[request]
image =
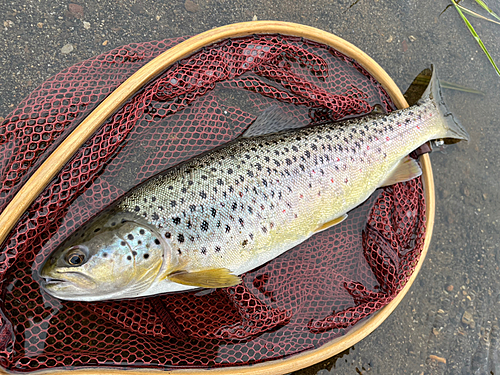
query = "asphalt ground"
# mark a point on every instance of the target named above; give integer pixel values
(448, 322)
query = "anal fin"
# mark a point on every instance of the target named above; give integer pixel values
(331, 223)
(212, 278)
(406, 170)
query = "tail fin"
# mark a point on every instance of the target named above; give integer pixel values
(455, 132)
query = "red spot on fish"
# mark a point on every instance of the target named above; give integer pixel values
(284, 211)
(331, 180)
(241, 194)
(346, 180)
(418, 127)
(367, 147)
(387, 138)
(301, 196)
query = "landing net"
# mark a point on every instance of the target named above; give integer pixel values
(305, 298)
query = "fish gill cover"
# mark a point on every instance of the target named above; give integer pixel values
(299, 301)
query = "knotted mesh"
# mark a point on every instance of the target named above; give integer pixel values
(299, 301)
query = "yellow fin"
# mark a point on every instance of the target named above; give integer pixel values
(331, 223)
(213, 278)
(406, 170)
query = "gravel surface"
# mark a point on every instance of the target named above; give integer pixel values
(448, 322)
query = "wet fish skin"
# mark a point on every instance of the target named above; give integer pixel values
(243, 204)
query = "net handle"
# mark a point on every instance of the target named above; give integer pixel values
(54, 163)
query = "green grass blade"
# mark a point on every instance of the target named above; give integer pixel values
(468, 11)
(478, 40)
(480, 2)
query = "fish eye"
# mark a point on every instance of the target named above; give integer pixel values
(75, 257)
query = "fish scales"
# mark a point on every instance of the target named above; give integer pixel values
(238, 206)
(227, 208)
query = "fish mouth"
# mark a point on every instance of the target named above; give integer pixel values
(73, 280)
(46, 281)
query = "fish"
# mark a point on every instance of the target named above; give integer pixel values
(207, 221)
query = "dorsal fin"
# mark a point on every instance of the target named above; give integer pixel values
(272, 120)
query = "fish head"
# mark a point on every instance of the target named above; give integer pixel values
(104, 261)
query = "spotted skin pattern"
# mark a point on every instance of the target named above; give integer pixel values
(239, 206)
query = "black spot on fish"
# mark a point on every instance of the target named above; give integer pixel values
(134, 253)
(241, 221)
(113, 224)
(139, 242)
(129, 258)
(228, 228)
(97, 230)
(192, 208)
(142, 231)
(214, 212)
(307, 154)
(230, 170)
(264, 229)
(203, 195)
(137, 208)
(168, 235)
(258, 166)
(244, 243)
(170, 187)
(251, 236)
(155, 216)
(204, 226)
(179, 251)
(176, 220)
(250, 210)
(153, 199)
(157, 241)
(173, 203)
(203, 250)
(190, 182)
(146, 256)
(203, 177)
(234, 206)
(180, 238)
(217, 248)
(104, 255)
(123, 243)
(130, 236)
(189, 224)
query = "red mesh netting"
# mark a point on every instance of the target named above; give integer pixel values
(299, 301)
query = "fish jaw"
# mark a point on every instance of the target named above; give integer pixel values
(69, 283)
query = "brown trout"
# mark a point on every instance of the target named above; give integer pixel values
(234, 208)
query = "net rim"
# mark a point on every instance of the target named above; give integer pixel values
(92, 122)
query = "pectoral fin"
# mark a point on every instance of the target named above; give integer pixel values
(406, 170)
(213, 278)
(331, 223)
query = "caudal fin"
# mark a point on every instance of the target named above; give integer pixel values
(418, 93)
